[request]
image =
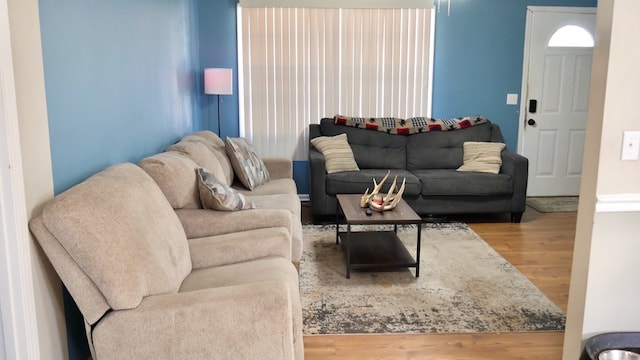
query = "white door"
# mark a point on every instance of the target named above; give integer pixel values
(557, 71)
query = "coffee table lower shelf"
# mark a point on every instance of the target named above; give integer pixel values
(375, 250)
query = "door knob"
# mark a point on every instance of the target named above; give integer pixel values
(531, 122)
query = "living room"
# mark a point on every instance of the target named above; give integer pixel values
(104, 107)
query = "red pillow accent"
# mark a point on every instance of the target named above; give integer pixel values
(465, 124)
(403, 131)
(371, 127)
(435, 127)
(340, 120)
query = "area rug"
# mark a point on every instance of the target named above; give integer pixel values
(464, 286)
(551, 204)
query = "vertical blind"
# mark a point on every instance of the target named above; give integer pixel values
(298, 65)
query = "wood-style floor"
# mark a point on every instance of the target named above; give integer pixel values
(541, 247)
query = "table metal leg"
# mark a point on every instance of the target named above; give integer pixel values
(418, 250)
(337, 222)
(348, 246)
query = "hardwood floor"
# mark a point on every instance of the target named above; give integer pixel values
(541, 247)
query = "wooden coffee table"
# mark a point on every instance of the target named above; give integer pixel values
(375, 250)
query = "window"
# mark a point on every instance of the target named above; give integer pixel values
(571, 36)
(297, 65)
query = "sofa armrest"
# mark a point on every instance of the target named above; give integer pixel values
(240, 247)
(199, 223)
(250, 321)
(279, 168)
(517, 166)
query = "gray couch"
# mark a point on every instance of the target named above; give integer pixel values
(428, 161)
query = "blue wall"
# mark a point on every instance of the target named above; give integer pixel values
(478, 59)
(119, 79)
(219, 48)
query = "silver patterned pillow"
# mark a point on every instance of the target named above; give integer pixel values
(216, 195)
(247, 166)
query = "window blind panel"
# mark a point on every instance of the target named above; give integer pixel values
(299, 65)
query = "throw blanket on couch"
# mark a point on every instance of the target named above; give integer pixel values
(411, 125)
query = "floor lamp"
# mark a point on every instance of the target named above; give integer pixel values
(218, 82)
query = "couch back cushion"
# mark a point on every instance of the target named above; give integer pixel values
(121, 231)
(371, 149)
(215, 162)
(176, 175)
(208, 137)
(444, 149)
(217, 147)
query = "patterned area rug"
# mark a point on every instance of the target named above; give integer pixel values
(551, 204)
(464, 286)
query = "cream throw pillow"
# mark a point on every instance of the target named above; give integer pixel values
(337, 153)
(482, 157)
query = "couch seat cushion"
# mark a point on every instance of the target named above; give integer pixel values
(451, 182)
(356, 182)
(273, 187)
(250, 272)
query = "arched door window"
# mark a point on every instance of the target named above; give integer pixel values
(571, 36)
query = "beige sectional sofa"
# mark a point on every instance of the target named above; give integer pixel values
(277, 200)
(155, 276)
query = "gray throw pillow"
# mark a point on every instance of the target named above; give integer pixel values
(247, 166)
(216, 195)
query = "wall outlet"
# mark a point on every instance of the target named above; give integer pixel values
(512, 99)
(630, 145)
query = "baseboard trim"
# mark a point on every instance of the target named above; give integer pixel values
(304, 197)
(618, 203)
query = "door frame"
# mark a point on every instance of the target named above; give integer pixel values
(17, 302)
(524, 93)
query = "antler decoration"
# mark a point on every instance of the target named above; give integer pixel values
(383, 203)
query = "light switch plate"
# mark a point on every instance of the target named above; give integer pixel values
(512, 99)
(630, 145)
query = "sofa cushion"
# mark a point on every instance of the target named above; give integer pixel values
(217, 147)
(450, 182)
(175, 174)
(217, 196)
(482, 157)
(247, 166)
(145, 254)
(443, 149)
(203, 156)
(371, 149)
(337, 153)
(358, 182)
(273, 187)
(206, 136)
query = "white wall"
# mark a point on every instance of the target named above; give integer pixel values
(604, 292)
(36, 164)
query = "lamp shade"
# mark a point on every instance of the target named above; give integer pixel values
(218, 81)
